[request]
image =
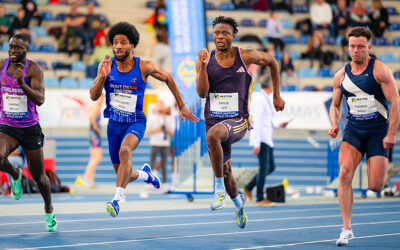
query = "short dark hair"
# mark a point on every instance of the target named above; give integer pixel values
(360, 31)
(124, 28)
(226, 20)
(23, 37)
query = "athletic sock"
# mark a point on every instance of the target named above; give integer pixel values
(118, 193)
(143, 175)
(238, 202)
(219, 184)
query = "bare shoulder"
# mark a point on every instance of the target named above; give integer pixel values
(381, 71)
(35, 69)
(146, 66)
(339, 75)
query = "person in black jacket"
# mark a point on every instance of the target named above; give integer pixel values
(379, 18)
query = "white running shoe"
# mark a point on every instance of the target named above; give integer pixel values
(344, 238)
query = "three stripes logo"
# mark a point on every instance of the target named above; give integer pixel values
(240, 70)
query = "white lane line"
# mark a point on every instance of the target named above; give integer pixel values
(317, 241)
(208, 235)
(194, 224)
(195, 215)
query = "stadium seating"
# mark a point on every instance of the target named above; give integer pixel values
(289, 88)
(47, 15)
(226, 6)
(380, 41)
(327, 88)
(289, 39)
(69, 82)
(310, 88)
(78, 66)
(42, 64)
(247, 23)
(306, 72)
(151, 4)
(387, 58)
(325, 72)
(396, 41)
(210, 6)
(86, 82)
(51, 82)
(397, 74)
(262, 23)
(294, 54)
(47, 48)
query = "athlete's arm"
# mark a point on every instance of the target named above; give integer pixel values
(151, 69)
(35, 75)
(266, 60)
(103, 71)
(334, 111)
(384, 77)
(203, 85)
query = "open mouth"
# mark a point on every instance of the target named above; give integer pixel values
(119, 54)
(220, 44)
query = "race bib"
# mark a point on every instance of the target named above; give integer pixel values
(124, 102)
(15, 106)
(224, 105)
(362, 108)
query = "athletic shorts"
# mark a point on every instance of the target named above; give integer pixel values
(366, 141)
(94, 139)
(116, 133)
(30, 138)
(236, 128)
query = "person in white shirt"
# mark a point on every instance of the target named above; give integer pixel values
(274, 31)
(322, 16)
(262, 111)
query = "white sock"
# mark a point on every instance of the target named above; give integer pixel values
(143, 175)
(118, 193)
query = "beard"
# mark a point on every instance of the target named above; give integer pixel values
(124, 57)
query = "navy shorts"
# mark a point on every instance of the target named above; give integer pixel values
(116, 133)
(366, 141)
(237, 128)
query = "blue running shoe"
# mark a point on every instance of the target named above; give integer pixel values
(153, 179)
(241, 217)
(218, 201)
(112, 208)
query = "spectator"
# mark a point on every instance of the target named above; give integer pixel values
(98, 55)
(160, 13)
(314, 48)
(321, 16)
(92, 24)
(75, 28)
(101, 33)
(379, 18)
(31, 11)
(274, 31)
(5, 23)
(345, 46)
(162, 54)
(160, 129)
(20, 23)
(287, 70)
(341, 17)
(358, 14)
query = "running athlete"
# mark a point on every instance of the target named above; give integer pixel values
(222, 79)
(22, 89)
(368, 86)
(96, 152)
(124, 79)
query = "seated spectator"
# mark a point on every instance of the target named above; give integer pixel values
(75, 27)
(321, 16)
(341, 17)
(314, 48)
(99, 53)
(20, 23)
(5, 23)
(281, 5)
(358, 14)
(92, 24)
(274, 31)
(345, 46)
(379, 18)
(31, 11)
(100, 33)
(287, 70)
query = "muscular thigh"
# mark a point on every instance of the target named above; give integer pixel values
(349, 157)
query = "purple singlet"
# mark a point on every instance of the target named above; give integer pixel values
(16, 109)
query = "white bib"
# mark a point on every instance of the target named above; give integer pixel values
(124, 102)
(362, 107)
(14, 104)
(224, 105)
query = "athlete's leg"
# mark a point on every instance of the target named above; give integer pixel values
(215, 135)
(229, 180)
(96, 154)
(125, 172)
(377, 172)
(35, 161)
(7, 145)
(349, 158)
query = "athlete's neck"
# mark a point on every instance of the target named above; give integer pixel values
(359, 67)
(19, 63)
(126, 65)
(224, 53)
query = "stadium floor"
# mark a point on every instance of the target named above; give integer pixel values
(171, 222)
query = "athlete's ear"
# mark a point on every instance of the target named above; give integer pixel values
(369, 46)
(132, 46)
(233, 35)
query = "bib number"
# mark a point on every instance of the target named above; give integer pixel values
(224, 105)
(123, 102)
(15, 106)
(362, 108)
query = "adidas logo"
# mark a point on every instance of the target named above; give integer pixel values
(240, 70)
(366, 74)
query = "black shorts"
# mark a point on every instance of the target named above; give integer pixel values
(237, 128)
(29, 138)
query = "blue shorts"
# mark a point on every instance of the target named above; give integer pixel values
(366, 141)
(116, 133)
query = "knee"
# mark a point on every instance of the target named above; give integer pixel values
(124, 153)
(345, 175)
(227, 171)
(212, 139)
(39, 177)
(376, 186)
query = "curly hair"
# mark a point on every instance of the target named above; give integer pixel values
(124, 28)
(227, 20)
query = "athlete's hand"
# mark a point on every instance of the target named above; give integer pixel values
(279, 103)
(204, 55)
(333, 131)
(256, 150)
(185, 112)
(389, 141)
(104, 67)
(19, 75)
